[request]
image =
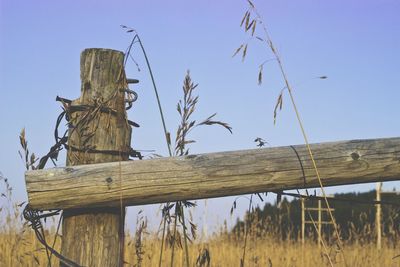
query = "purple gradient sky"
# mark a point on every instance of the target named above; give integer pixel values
(355, 43)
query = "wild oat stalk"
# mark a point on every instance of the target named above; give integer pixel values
(249, 22)
(185, 108)
(141, 224)
(29, 159)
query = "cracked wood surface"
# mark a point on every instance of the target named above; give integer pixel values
(94, 237)
(214, 175)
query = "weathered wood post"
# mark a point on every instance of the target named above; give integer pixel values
(99, 132)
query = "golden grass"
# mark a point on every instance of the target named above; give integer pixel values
(269, 253)
(22, 249)
(19, 246)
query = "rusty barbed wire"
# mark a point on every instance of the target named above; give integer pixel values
(34, 216)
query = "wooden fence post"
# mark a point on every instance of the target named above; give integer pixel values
(98, 132)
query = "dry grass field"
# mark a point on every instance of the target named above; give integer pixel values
(268, 252)
(19, 247)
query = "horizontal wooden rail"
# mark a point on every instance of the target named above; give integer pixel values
(213, 175)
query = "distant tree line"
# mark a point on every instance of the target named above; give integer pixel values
(356, 221)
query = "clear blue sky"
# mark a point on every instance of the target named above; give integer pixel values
(354, 43)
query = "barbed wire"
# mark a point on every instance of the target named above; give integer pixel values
(34, 216)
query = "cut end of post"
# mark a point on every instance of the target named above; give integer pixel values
(100, 50)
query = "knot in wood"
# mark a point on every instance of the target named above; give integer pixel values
(69, 169)
(355, 156)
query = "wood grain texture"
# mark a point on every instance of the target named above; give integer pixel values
(94, 237)
(214, 175)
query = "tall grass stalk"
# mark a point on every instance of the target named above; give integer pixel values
(250, 24)
(186, 108)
